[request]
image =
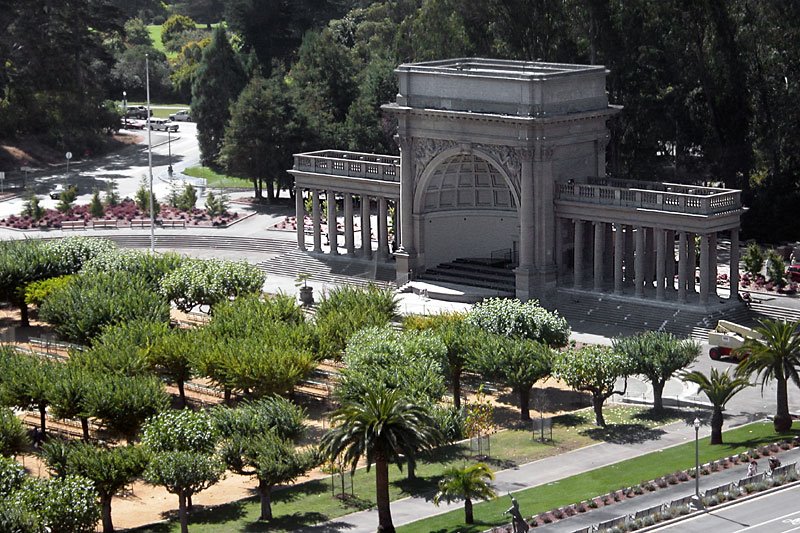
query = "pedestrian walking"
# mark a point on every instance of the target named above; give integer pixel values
(752, 468)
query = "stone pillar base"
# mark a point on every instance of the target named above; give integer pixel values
(405, 266)
(532, 284)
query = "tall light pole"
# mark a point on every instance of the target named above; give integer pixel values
(125, 108)
(150, 157)
(697, 459)
(169, 148)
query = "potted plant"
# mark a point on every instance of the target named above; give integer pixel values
(306, 292)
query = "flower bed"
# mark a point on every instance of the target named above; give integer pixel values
(123, 213)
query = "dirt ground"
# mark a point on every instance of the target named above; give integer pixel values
(143, 504)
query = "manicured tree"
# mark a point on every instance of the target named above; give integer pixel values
(719, 387)
(171, 355)
(528, 320)
(275, 414)
(775, 356)
(28, 383)
(91, 302)
(13, 438)
(22, 262)
(123, 403)
(408, 362)
(468, 483)
(657, 355)
(32, 208)
(68, 395)
(37, 291)
(348, 309)
(460, 339)
(183, 459)
(198, 282)
(378, 427)
(776, 269)
(594, 369)
(271, 459)
(96, 207)
(217, 83)
(517, 363)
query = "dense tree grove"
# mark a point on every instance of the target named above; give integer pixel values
(707, 87)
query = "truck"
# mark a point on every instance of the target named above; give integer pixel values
(727, 337)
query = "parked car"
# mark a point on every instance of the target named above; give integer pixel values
(138, 111)
(181, 116)
(55, 194)
(162, 124)
(793, 272)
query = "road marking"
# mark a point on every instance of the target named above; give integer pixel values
(784, 517)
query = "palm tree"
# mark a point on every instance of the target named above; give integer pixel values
(720, 387)
(381, 426)
(776, 355)
(468, 483)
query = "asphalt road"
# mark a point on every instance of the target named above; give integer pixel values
(772, 513)
(125, 168)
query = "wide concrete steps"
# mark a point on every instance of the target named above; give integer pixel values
(473, 273)
(762, 311)
(323, 269)
(615, 317)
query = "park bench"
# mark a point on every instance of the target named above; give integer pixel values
(73, 224)
(140, 223)
(173, 223)
(104, 224)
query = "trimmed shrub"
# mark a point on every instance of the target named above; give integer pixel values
(37, 291)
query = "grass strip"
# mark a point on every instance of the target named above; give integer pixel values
(214, 179)
(601, 480)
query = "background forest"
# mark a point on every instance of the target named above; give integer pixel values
(709, 88)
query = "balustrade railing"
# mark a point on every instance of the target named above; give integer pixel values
(674, 198)
(350, 164)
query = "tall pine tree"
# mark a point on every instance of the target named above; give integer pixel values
(219, 80)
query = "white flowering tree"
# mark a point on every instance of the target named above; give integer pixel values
(140, 263)
(594, 369)
(199, 282)
(528, 320)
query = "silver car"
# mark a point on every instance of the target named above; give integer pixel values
(162, 124)
(181, 116)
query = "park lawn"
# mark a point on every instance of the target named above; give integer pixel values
(214, 179)
(600, 481)
(155, 35)
(312, 502)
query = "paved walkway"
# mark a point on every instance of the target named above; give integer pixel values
(546, 471)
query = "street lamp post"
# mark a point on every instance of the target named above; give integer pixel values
(697, 459)
(125, 108)
(169, 148)
(150, 158)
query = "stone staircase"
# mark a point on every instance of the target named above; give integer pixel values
(324, 269)
(616, 317)
(473, 272)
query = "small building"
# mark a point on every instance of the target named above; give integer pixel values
(503, 162)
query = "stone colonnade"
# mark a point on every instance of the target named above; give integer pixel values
(365, 250)
(645, 259)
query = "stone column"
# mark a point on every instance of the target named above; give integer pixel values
(691, 263)
(526, 220)
(383, 229)
(640, 263)
(599, 259)
(734, 274)
(300, 217)
(705, 267)
(349, 231)
(649, 257)
(406, 197)
(619, 250)
(366, 228)
(577, 271)
(559, 244)
(660, 263)
(683, 266)
(712, 267)
(670, 250)
(316, 220)
(629, 256)
(608, 256)
(333, 230)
